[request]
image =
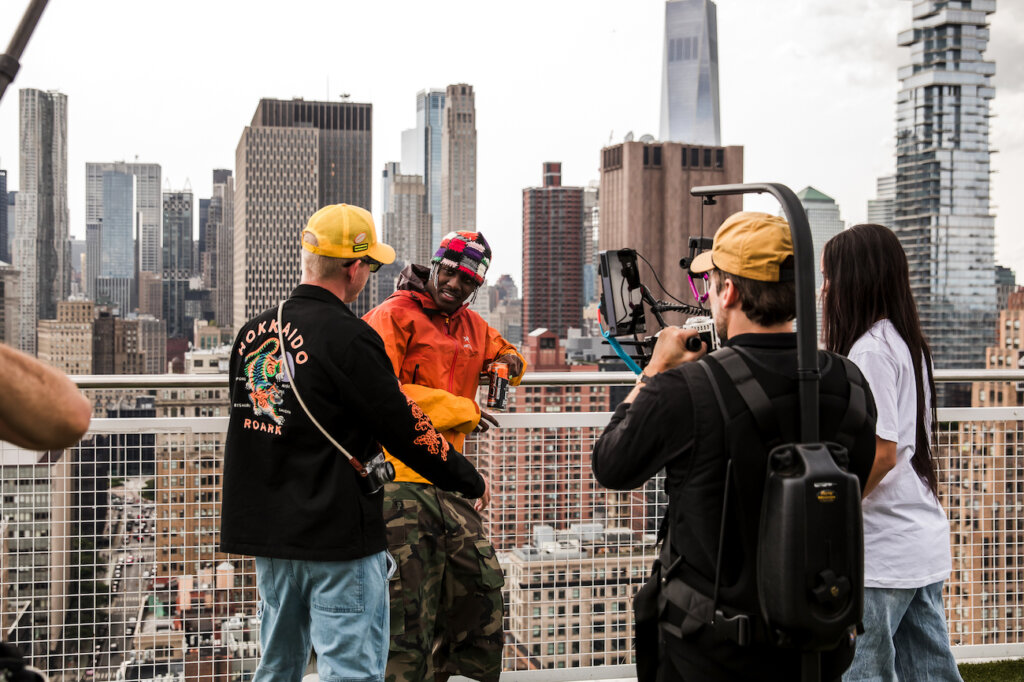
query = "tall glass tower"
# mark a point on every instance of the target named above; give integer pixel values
(942, 214)
(689, 76)
(421, 153)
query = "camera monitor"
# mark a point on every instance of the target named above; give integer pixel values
(622, 308)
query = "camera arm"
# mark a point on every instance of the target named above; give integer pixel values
(9, 64)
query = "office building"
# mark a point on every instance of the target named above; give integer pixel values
(982, 487)
(689, 76)
(115, 282)
(115, 344)
(10, 304)
(645, 204)
(591, 230)
(942, 211)
(42, 251)
(458, 160)
(406, 224)
(178, 266)
(1006, 284)
(66, 342)
(421, 153)
(148, 209)
(10, 200)
(823, 217)
(151, 336)
(293, 158)
(216, 256)
(881, 209)
(570, 596)
(5, 225)
(553, 244)
(151, 294)
(35, 548)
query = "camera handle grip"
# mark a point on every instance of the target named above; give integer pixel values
(694, 344)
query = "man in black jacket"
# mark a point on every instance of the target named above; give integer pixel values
(291, 499)
(672, 420)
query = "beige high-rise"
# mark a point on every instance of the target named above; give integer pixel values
(66, 342)
(458, 160)
(645, 204)
(292, 159)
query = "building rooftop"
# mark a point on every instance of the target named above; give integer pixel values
(811, 194)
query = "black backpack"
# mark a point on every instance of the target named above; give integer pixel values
(810, 544)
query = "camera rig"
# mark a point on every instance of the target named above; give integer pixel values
(624, 300)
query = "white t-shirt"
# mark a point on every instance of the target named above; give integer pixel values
(906, 533)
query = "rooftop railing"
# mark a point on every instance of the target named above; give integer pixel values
(110, 568)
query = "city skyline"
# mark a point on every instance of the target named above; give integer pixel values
(849, 52)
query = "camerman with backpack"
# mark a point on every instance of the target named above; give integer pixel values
(710, 422)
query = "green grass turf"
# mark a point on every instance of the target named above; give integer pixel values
(998, 671)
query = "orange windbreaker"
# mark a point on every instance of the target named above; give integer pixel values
(437, 358)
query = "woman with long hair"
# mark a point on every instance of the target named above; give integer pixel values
(869, 315)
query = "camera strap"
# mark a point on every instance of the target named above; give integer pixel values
(356, 464)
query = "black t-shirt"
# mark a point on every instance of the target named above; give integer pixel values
(287, 491)
(675, 423)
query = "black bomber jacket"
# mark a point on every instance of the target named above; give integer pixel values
(289, 493)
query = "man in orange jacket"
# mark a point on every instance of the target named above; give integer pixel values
(446, 605)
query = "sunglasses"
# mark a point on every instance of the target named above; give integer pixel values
(375, 265)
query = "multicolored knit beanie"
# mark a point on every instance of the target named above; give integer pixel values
(466, 251)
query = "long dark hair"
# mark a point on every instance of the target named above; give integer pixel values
(866, 280)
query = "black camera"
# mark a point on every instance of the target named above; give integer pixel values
(376, 472)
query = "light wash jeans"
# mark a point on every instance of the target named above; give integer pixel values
(905, 638)
(340, 607)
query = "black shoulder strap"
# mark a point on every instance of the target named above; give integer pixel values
(856, 408)
(725, 491)
(753, 395)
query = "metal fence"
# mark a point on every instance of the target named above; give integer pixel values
(110, 569)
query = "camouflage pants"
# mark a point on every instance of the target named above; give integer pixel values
(446, 604)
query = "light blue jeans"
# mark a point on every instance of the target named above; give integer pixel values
(340, 607)
(905, 637)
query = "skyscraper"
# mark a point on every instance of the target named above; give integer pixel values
(689, 76)
(66, 342)
(823, 217)
(406, 224)
(591, 227)
(42, 249)
(458, 160)
(9, 202)
(645, 204)
(177, 261)
(552, 255)
(880, 209)
(221, 229)
(942, 213)
(148, 206)
(10, 302)
(293, 158)
(5, 255)
(115, 283)
(421, 153)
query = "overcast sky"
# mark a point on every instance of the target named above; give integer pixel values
(807, 86)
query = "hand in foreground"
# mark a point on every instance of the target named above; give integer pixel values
(514, 364)
(670, 350)
(485, 499)
(482, 426)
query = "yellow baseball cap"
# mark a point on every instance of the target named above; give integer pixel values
(751, 245)
(344, 231)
